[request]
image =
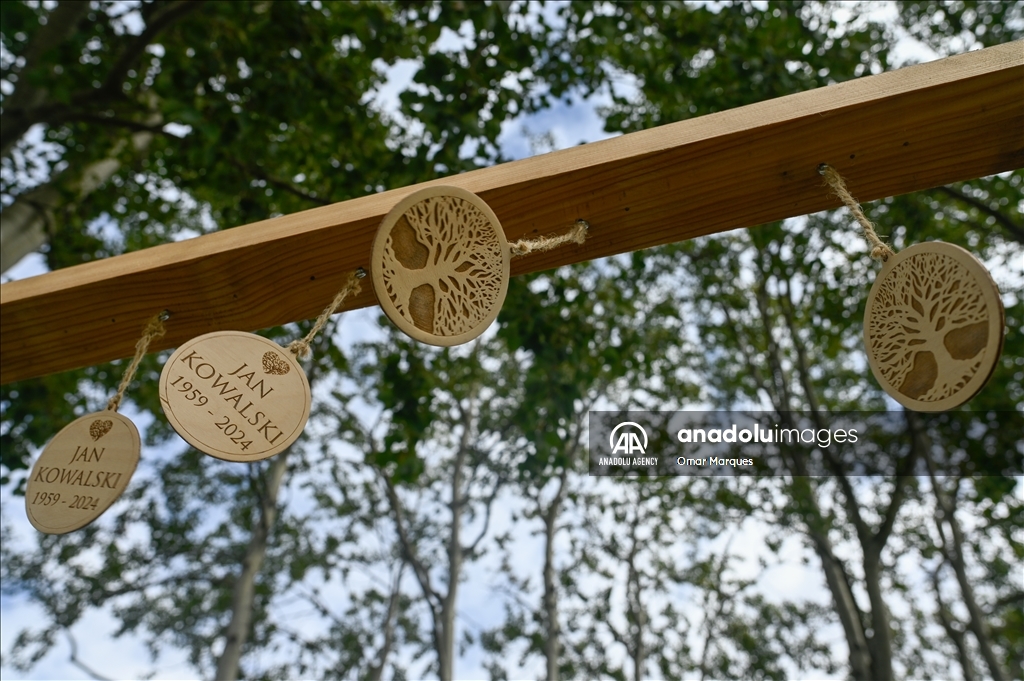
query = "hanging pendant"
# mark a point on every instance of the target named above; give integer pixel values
(81, 472)
(440, 265)
(933, 326)
(235, 396)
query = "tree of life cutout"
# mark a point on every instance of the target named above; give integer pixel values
(933, 327)
(441, 266)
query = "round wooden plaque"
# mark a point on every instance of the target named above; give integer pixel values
(234, 395)
(81, 472)
(440, 265)
(933, 326)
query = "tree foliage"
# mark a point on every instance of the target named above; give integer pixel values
(437, 510)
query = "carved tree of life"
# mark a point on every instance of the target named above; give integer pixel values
(441, 266)
(928, 327)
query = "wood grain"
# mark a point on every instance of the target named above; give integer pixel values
(906, 130)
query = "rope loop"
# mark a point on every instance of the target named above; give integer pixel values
(154, 329)
(879, 250)
(301, 347)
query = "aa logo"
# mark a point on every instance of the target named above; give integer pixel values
(628, 440)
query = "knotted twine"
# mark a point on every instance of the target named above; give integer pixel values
(578, 234)
(879, 250)
(300, 347)
(154, 329)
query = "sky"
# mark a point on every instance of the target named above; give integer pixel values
(567, 124)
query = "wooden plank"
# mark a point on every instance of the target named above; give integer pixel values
(906, 130)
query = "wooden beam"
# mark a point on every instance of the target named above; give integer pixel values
(911, 129)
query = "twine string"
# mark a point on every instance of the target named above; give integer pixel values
(578, 234)
(879, 250)
(153, 330)
(300, 347)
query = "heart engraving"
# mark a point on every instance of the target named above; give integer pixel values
(98, 429)
(273, 364)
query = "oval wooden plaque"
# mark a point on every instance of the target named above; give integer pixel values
(235, 396)
(440, 265)
(933, 326)
(81, 472)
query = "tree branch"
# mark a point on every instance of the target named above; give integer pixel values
(381, 657)
(419, 569)
(778, 373)
(803, 365)
(1015, 230)
(709, 621)
(61, 24)
(20, 113)
(899, 493)
(752, 367)
(279, 183)
(871, 543)
(949, 622)
(112, 84)
(28, 223)
(1017, 597)
(116, 122)
(954, 555)
(471, 549)
(78, 663)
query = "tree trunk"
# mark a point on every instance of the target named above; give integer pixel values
(879, 644)
(956, 635)
(977, 622)
(846, 607)
(28, 223)
(23, 228)
(803, 495)
(552, 631)
(446, 647)
(880, 641)
(237, 631)
(420, 569)
(381, 658)
(635, 608)
(954, 555)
